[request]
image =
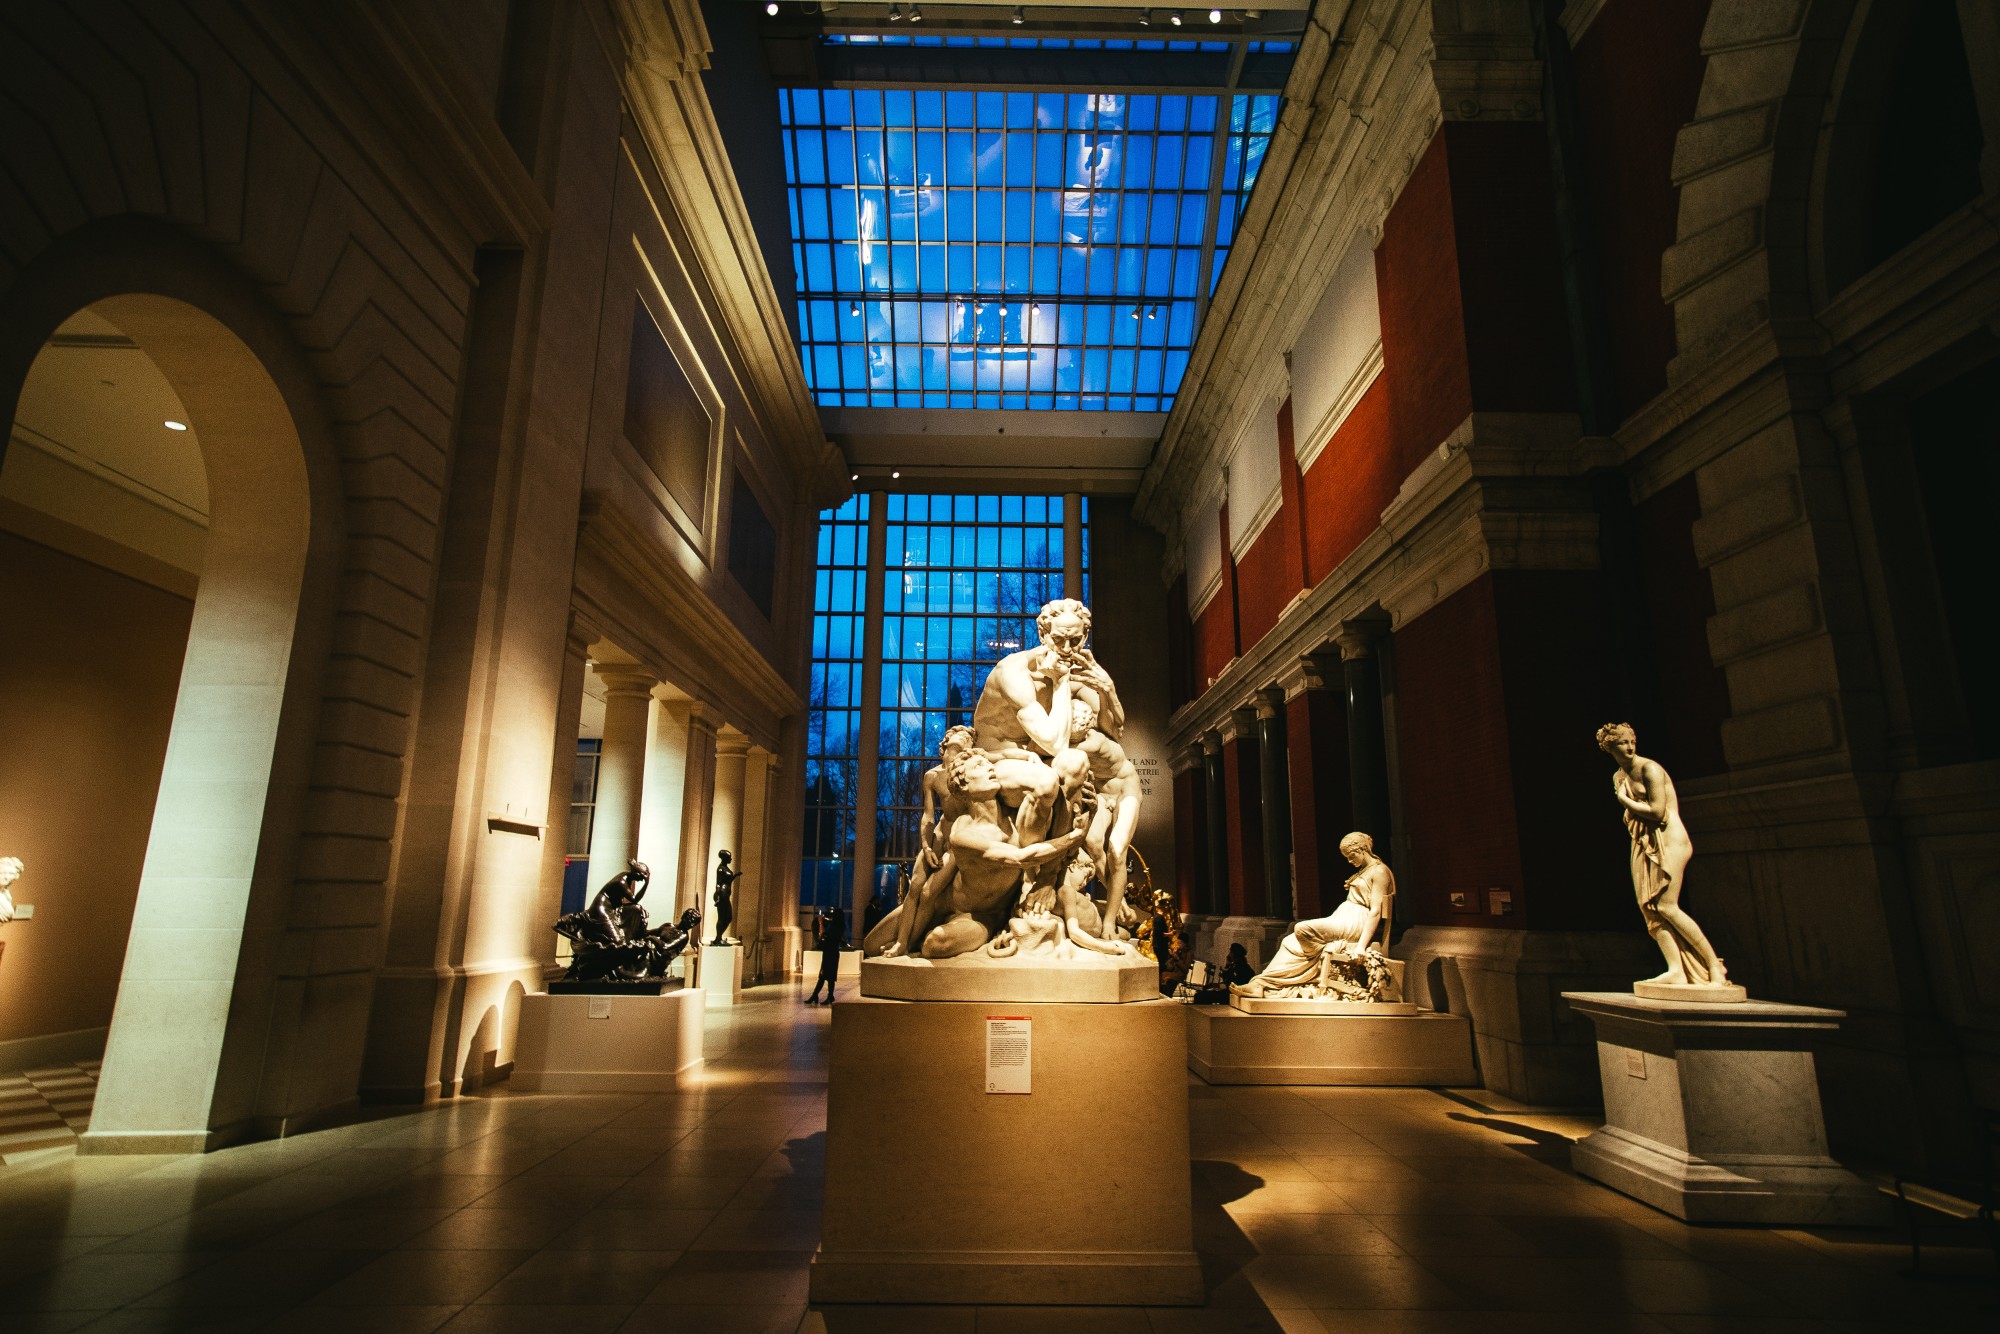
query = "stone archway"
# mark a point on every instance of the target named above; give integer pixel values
(187, 1055)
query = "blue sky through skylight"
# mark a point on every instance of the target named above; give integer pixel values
(1011, 249)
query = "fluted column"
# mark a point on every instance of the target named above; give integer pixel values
(1275, 811)
(621, 768)
(1367, 758)
(1215, 889)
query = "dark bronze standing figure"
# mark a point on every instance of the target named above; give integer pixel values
(725, 908)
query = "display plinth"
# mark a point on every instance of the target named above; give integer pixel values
(937, 1191)
(638, 1044)
(1692, 993)
(721, 972)
(1228, 1046)
(1293, 1005)
(850, 963)
(1712, 1112)
(1095, 980)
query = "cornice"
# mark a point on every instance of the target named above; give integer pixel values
(1359, 108)
(663, 46)
(1499, 493)
(660, 613)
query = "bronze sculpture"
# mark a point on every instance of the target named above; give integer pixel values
(725, 908)
(613, 946)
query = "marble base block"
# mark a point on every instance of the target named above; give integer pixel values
(1229, 1046)
(1712, 1112)
(940, 1192)
(1699, 993)
(850, 964)
(721, 973)
(1298, 1005)
(1093, 980)
(641, 1044)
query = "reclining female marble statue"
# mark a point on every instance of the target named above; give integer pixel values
(1337, 957)
(1661, 850)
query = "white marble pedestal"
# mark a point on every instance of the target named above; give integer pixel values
(940, 1192)
(1712, 1112)
(721, 973)
(608, 1044)
(1228, 1045)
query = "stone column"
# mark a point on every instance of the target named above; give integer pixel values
(1274, 811)
(1241, 794)
(697, 804)
(753, 858)
(1215, 885)
(786, 845)
(726, 818)
(562, 782)
(1072, 545)
(868, 753)
(1367, 761)
(666, 789)
(621, 768)
(1322, 812)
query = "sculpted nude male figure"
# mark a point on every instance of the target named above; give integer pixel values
(935, 866)
(989, 857)
(1116, 779)
(1025, 706)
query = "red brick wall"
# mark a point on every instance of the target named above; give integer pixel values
(1181, 683)
(1638, 73)
(1322, 805)
(1215, 633)
(1694, 695)
(1350, 483)
(1457, 780)
(1509, 268)
(1560, 679)
(1267, 578)
(1423, 319)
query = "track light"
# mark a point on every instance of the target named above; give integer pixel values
(894, 475)
(916, 15)
(1152, 312)
(1145, 18)
(895, 13)
(772, 8)
(1003, 310)
(1034, 307)
(1175, 18)
(1135, 312)
(854, 307)
(1019, 17)
(1214, 16)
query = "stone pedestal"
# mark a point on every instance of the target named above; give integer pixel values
(1226, 1045)
(721, 973)
(1712, 1112)
(1097, 979)
(607, 1044)
(850, 964)
(938, 1191)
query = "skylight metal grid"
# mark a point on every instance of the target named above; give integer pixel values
(1011, 249)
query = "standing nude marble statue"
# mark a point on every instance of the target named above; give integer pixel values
(902, 927)
(1661, 850)
(991, 859)
(1337, 957)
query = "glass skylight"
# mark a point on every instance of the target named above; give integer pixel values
(1011, 249)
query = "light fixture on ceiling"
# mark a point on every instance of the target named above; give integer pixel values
(1003, 310)
(1215, 16)
(1152, 312)
(854, 307)
(1136, 312)
(1019, 17)
(895, 13)
(854, 477)
(772, 8)
(1145, 18)
(1175, 18)
(1034, 307)
(174, 425)
(894, 475)
(916, 15)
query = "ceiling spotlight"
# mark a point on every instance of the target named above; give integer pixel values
(1003, 310)
(895, 13)
(894, 475)
(1152, 312)
(174, 425)
(1136, 312)
(772, 8)
(1019, 17)
(1035, 307)
(1175, 18)
(854, 307)
(1145, 18)
(916, 15)
(1215, 16)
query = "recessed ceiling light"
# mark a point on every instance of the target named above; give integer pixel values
(175, 426)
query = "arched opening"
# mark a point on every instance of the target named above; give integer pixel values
(177, 565)
(1905, 139)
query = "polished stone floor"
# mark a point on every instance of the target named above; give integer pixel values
(1386, 1211)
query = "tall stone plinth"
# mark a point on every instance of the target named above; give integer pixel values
(939, 1191)
(1399, 1046)
(720, 974)
(1712, 1112)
